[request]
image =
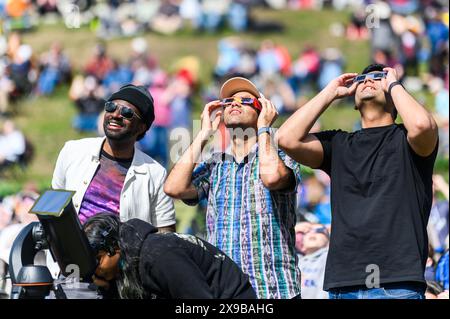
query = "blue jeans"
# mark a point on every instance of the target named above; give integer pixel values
(386, 291)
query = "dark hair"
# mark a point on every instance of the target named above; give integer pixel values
(141, 136)
(379, 67)
(373, 67)
(103, 233)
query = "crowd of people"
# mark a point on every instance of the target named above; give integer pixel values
(411, 35)
(115, 18)
(102, 75)
(14, 217)
(24, 75)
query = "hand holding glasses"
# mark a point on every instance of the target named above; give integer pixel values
(125, 111)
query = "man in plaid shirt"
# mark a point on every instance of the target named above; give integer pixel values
(251, 189)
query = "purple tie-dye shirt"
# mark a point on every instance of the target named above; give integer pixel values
(103, 193)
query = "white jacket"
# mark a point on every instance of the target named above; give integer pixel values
(142, 194)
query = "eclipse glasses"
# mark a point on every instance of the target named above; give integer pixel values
(374, 76)
(242, 100)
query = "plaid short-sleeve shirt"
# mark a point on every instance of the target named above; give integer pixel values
(251, 224)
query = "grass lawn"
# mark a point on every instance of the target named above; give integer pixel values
(47, 120)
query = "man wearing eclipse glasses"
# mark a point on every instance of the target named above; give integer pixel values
(381, 184)
(110, 174)
(250, 189)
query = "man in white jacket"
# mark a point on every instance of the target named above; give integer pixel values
(110, 174)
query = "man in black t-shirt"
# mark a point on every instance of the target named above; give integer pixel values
(381, 184)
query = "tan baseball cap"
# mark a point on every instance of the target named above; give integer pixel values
(238, 84)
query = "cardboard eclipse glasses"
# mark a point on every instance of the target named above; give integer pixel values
(244, 101)
(374, 76)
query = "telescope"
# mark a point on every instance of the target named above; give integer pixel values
(58, 230)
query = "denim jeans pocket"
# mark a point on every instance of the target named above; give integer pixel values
(402, 293)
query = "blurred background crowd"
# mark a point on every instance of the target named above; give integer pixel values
(408, 35)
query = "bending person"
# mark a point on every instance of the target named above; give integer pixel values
(143, 263)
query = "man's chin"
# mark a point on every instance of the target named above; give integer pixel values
(368, 97)
(232, 125)
(117, 136)
(235, 123)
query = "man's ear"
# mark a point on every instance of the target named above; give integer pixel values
(143, 128)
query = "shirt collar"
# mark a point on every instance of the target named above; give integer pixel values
(136, 164)
(227, 155)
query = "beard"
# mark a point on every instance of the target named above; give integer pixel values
(243, 120)
(376, 98)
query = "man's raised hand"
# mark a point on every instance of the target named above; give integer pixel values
(211, 116)
(390, 78)
(268, 113)
(342, 86)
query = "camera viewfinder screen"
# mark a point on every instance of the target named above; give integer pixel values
(52, 202)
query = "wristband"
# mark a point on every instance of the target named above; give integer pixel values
(264, 130)
(392, 85)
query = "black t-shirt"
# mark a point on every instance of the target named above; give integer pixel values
(381, 195)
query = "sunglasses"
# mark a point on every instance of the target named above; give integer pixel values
(374, 76)
(125, 111)
(321, 230)
(244, 101)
